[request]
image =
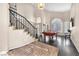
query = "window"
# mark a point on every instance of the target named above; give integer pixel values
(56, 25)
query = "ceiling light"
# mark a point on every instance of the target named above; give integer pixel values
(41, 6)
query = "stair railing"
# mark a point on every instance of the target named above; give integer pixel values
(20, 22)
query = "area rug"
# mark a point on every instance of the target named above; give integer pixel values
(35, 49)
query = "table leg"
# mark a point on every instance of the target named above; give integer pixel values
(56, 37)
(44, 39)
(49, 38)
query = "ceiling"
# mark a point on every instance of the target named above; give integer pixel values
(57, 7)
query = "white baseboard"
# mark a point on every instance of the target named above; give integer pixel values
(3, 53)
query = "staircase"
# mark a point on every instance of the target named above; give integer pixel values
(21, 31)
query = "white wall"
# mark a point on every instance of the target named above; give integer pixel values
(73, 11)
(16, 40)
(75, 29)
(4, 21)
(75, 14)
(26, 10)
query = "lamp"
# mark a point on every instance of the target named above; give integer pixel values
(41, 6)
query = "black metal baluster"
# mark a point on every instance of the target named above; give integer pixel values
(20, 22)
(23, 23)
(10, 18)
(16, 20)
(20, 26)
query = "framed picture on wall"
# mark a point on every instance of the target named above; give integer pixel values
(72, 21)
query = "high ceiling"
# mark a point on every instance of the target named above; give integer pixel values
(58, 7)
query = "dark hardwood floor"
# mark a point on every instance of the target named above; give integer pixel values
(66, 47)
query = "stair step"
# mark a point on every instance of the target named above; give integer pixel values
(25, 30)
(11, 27)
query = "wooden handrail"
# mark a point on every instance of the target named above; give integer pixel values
(23, 17)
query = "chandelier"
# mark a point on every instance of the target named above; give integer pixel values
(41, 6)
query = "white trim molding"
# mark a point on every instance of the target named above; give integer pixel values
(3, 53)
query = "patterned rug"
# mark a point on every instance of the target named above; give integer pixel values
(35, 49)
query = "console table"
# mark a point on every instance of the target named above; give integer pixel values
(49, 34)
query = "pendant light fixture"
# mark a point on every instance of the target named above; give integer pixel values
(41, 6)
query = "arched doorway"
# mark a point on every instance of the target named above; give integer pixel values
(57, 25)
